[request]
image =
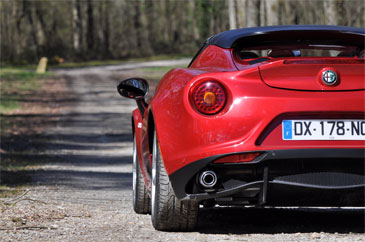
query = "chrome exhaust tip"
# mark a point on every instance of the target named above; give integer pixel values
(208, 179)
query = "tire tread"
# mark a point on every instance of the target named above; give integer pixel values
(171, 213)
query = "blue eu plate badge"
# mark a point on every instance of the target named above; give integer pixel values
(287, 130)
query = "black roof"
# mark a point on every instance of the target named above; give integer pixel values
(286, 34)
(227, 39)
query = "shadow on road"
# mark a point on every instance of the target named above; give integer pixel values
(79, 150)
(280, 220)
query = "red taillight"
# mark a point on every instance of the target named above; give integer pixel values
(208, 97)
(238, 158)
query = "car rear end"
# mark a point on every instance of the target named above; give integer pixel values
(291, 132)
(276, 146)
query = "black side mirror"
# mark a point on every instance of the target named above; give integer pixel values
(135, 88)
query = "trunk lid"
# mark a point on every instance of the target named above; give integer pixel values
(315, 74)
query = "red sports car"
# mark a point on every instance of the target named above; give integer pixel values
(264, 116)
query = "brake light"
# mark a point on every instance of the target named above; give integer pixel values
(208, 97)
(238, 158)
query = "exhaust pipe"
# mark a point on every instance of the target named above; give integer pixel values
(208, 179)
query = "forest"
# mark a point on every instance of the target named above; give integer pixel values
(80, 30)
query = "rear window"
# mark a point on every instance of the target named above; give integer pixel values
(310, 50)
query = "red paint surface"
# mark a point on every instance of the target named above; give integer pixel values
(284, 74)
(251, 118)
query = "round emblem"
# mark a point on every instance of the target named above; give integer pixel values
(329, 77)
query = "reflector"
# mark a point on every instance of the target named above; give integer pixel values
(209, 98)
(238, 158)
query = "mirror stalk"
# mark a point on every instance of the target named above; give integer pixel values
(142, 105)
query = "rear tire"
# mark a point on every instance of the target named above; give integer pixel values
(141, 200)
(168, 213)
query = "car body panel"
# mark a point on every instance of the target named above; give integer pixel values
(260, 95)
(294, 74)
(215, 59)
(192, 136)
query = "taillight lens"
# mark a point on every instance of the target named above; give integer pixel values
(238, 158)
(208, 97)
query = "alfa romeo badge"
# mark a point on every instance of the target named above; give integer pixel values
(329, 77)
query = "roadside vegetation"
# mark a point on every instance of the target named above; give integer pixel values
(162, 69)
(118, 62)
(81, 30)
(17, 85)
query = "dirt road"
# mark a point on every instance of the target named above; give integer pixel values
(84, 191)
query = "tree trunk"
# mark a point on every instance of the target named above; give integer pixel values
(240, 11)
(253, 13)
(106, 29)
(195, 12)
(90, 25)
(330, 12)
(232, 14)
(28, 12)
(137, 26)
(151, 18)
(6, 49)
(205, 7)
(77, 26)
(272, 13)
(40, 26)
(263, 11)
(143, 30)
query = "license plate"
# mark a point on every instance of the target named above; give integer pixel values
(323, 129)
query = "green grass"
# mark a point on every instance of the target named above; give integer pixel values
(116, 62)
(8, 105)
(6, 192)
(18, 74)
(161, 68)
(14, 82)
(86, 64)
(19, 162)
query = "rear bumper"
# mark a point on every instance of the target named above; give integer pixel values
(311, 177)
